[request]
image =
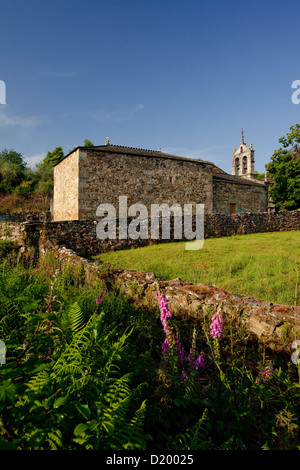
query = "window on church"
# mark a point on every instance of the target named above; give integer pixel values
(245, 166)
(232, 208)
(237, 166)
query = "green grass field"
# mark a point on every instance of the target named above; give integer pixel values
(262, 265)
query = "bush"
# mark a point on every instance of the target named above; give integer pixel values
(25, 188)
(6, 248)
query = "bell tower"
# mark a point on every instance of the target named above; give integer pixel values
(243, 160)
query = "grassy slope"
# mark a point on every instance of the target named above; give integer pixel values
(262, 265)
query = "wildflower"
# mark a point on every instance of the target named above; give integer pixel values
(98, 300)
(266, 375)
(216, 325)
(195, 362)
(199, 361)
(184, 378)
(165, 346)
(164, 310)
(180, 349)
(173, 342)
(164, 314)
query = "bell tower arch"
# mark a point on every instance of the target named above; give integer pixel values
(243, 160)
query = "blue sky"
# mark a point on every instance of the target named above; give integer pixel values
(182, 75)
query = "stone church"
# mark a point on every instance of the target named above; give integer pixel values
(89, 176)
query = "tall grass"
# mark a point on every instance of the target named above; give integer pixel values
(260, 265)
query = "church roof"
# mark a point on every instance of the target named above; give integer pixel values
(218, 173)
(137, 151)
(236, 179)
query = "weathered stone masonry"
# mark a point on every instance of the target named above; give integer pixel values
(88, 177)
(66, 187)
(80, 235)
(244, 196)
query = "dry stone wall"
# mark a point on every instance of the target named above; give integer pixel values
(81, 236)
(13, 231)
(224, 225)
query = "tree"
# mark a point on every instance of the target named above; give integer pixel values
(88, 143)
(44, 173)
(10, 175)
(54, 157)
(284, 169)
(11, 156)
(259, 176)
(12, 169)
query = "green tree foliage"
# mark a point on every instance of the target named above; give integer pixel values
(44, 176)
(284, 169)
(88, 143)
(12, 169)
(44, 171)
(54, 157)
(11, 156)
(259, 176)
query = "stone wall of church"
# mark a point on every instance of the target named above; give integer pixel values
(246, 198)
(89, 177)
(104, 176)
(65, 194)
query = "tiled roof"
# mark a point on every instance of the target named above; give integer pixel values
(136, 151)
(236, 179)
(218, 174)
(142, 153)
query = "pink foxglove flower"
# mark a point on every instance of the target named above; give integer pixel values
(216, 325)
(199, 362)
(164, 314)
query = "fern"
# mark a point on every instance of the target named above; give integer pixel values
(76, 318)
(133, 435)
(72, 370)
(39, 381)
(54, 439)
(114, 353)
(113, 428)
(39, 439)
(118, 391)
(84, 380)
(195, 438)
(229, 444)
(9, 316)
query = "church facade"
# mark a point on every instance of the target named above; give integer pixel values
(90, 176)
